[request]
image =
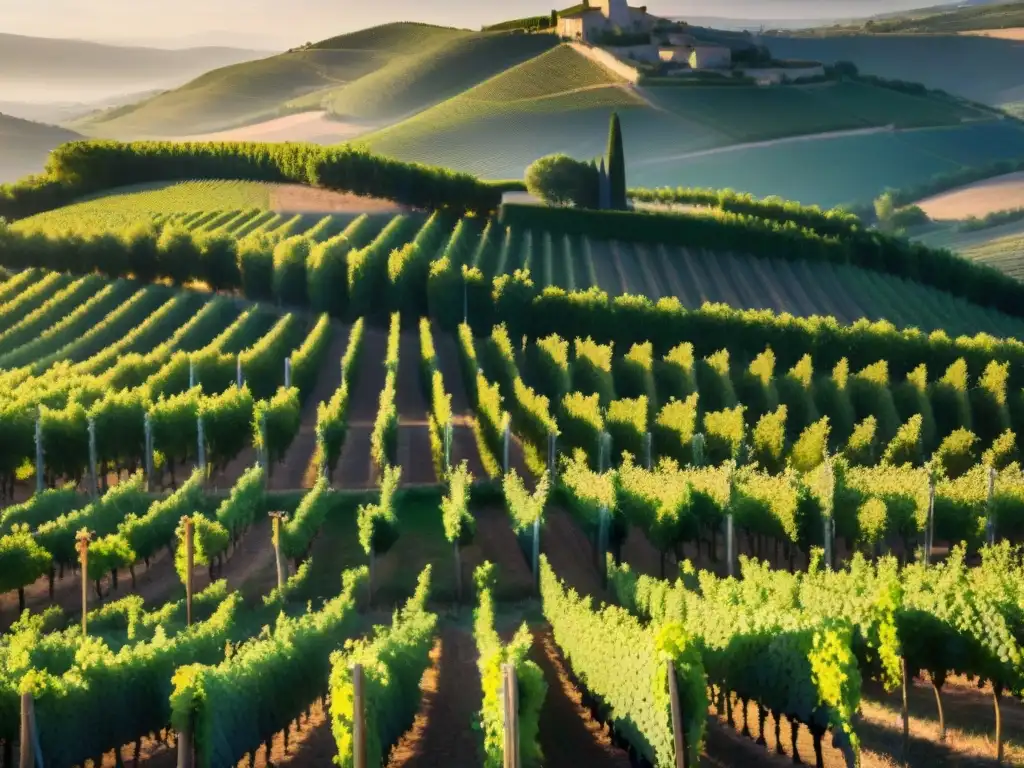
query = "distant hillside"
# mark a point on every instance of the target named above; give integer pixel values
(983, 69)
(410, 83)
(51, 62)
(944, 20)
(560, 101)
(383, 72)
(24, 146)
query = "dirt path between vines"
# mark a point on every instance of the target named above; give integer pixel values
(354, 468)
(414, 449)
(463, 441)
(297, 470)
(442, 735)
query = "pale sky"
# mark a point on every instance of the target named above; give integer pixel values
(285, 23)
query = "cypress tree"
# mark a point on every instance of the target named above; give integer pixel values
(616, 165)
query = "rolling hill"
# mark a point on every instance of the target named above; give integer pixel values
(984, 69)
(80, 70)
(964, 17)
(560, 101)
(24, 146)
(379, 73)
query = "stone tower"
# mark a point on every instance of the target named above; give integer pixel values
(616, 11)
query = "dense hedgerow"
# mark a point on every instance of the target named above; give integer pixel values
(869, 249)
(82, 167)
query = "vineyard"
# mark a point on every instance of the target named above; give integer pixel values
(504, 489)
(695, 276)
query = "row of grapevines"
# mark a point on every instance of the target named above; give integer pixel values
(107, 700)
(529, 678)
(236, 705)
(393, 661)
(332, 416)
(624, 664)
(439, 419)
(50, 312)
(785, 660)
(384, 437)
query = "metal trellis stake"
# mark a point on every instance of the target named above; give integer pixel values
(147, 428)
(40, 453)
(201, 443)
(191, 373)
(276, 518)
(238, 372)
(730, 543)
(93, 479)
(649, 450)
(448, 435)
(287, 373)
(552, 455)
(190, 553)
(508, 437)
(990, 522)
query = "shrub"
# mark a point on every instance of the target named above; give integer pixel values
(796, 392)
(592, 369)
(769, 440)
(756, 387)
(256, 264)
(950, 402)
(290, 271)
(905, 447)
(582, 425)
(808, 451)
(550, 369)
(833, 400)
(724, 434)
(634, 373)
(911, 397)
(861, 447)
(626, 422)
(675, 373)
(561, 180)
(713, 382)
(988, 400)
(674, 428)
(958, 453)
(1002, 452)
(870, 395)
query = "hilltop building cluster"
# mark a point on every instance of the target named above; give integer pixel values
(662, 47)
(607, 22)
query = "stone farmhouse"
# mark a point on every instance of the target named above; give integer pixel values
(604, 17)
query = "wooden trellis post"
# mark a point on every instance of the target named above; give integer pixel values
(358, 717)
(29, 739)
(276, 518)
(510, 710)
(678, 730)
(82, 544)
(186, 745)
(189, 567)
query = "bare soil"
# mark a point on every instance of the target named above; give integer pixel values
(354, 468)
(1010, 33)
(442, 735)
(312, 127)
(569, 735)
(414, 453)
(297, 198)
(570, 554)
(497, 543)
(1000, 193)
(298, 469)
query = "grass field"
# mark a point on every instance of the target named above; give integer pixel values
(24, 146)
(561, 101)
(426, 77)
(257, 90)
(1001, 247)
(142, 202)
(839, 170)
(955, 19)
(983, 69)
